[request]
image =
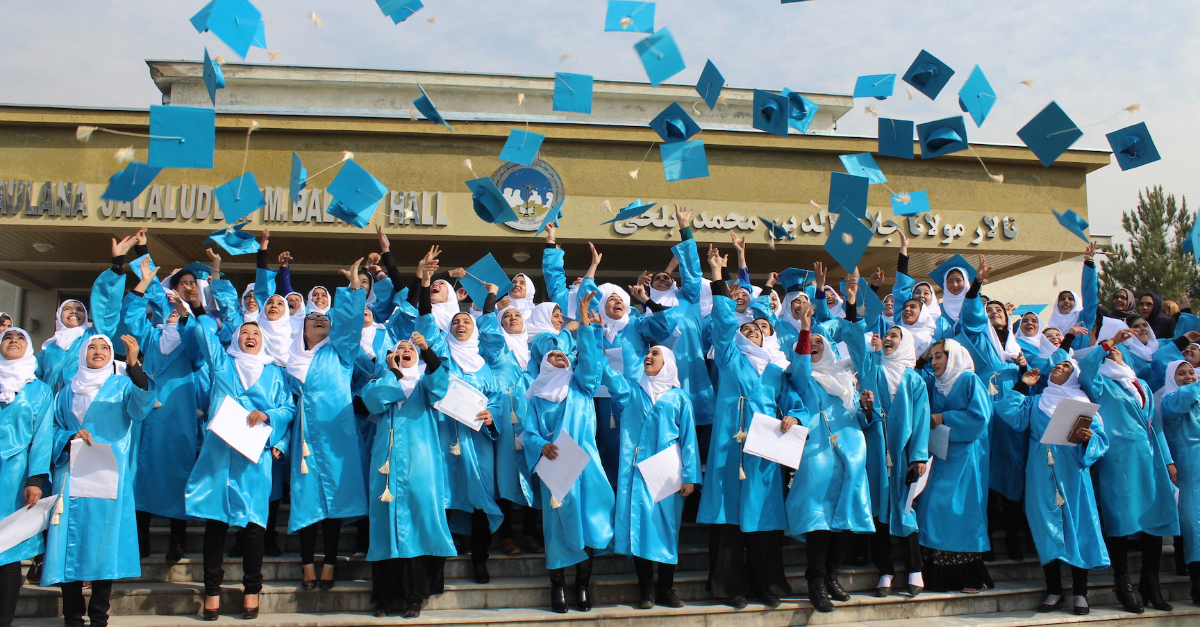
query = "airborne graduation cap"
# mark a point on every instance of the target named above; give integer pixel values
(771, 112)
(632, 210)
(928, 75)
(877, 86)
(356, 194)
(1133, 147)
(214, 78)
(848, 240)
(674, 124)
(522, 147)
(710, 84)
(573, 92)
(427, 109)
(182, 137)
(233, 240)
(942, 137)
(801, 110)
(1050, 133)
(684, 160)
(238, 23)
(399, 10)
(128, 184)
(489, 202)
(896, 138)
(977, 96)
(239, 198)
(848, 192)
(660, 56)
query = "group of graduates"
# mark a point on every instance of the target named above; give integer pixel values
(349, 381)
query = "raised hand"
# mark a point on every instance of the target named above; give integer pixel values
(141, 236)
(820, 273)
(683, 216)
(984, 270)
(550, 232)
(876, 278)
(596, 258)
(266, 239)
(1031, 377)
(738, 242)
(639, 292)
(385, 245)
(131, 350)
(121, 248)
(214, 260)
(1121, 336)
(177, 302)
(1080, 330)
(1090, 252)
(772, 279)
(851, 290)
(285, 258)
(352, 275)
(491, 288)
(644, 278)
(1184, 301)
(419, 341)
(458, 273)
(585, 316)
(903, 242)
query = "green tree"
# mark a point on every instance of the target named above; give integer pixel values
(1155, 260)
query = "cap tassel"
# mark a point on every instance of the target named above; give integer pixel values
(58, 510)
(741, 472)
(555, 503)
(303, 467)
(612, 422)
(513, 417)
(84, 133)
(304, 448)
(740, 436)
(1058, 498)
(1049, 457)
(456, 449)
(386, 468)
(386, 497)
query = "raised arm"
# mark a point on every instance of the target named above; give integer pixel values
(345, 333)
(1090, 288)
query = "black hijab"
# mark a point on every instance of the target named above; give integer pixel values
(1163, 326)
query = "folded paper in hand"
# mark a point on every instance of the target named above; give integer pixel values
(230, 424)
(663, 472)
(94, 471)
(767, 440)
(561, 473)
(462, 403)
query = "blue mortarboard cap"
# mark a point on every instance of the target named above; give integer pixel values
(356, 194)
(1072, 222)
(632, 210)
(863, 164)
(236, 22)
(1033, 309)
(489, 202)
(1133, 146)
(399, 10)
(1050, 133)
(896, 138)
(660, 56)
(427, 109)
(868, 304)
(214, 78)
(684, 160)
(128, 184)
(239, 198)
(771, 112)
(776, 231)
(977, 96)
(136, 266)
(938, 274)
(182, 137)
(794, 279)
(877, 86)
(298, 179)
(848, 192)
(551, 217)
(928, 74)
(198, 270)
(674, 124)
(486, 270)
(942, 137)
(1192, 243)
(710, 84)
(910, 203)
(573, 92)
(630, 17)
(522, 147)
(848, 240)
(233, 239)
(801, 110)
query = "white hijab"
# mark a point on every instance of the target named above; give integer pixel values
(1064, 321)
(367, 340)
(525, 305)
(312, 307)
(465, 353)
(1169, 387)
(1055, 393)
(300, 358)
(667, 377)
(412, 374)
(706, 298)
(958, 361)
(952, 304)
(838, 309)
(613, 326)
(168, 339)
(443, 313)
(923, 330)
(63, 336)
(88, 381)
(786, 316)
(901, 359)
(771, 344)
(295, 319)
(278, 334)
(552, 382)
(1124, 375)
(518, 343)
(1010, 348)
(758, 356)
(539, 321)
(15, 373)
(249, 367)
(668, 297)
(247, 315)
(836, 376)
(1144, 351)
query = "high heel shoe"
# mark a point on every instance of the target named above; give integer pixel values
(212, 614)
(1151, 591)
(326, 584)
(309, 584)
(249, 613)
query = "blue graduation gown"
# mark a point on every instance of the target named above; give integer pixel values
(513, 480)
(688, 334)
(334, 486)
(641, 527)
(1181, 423)
(96, 539)
(26, 439)
(584, 519)
(1068, 532)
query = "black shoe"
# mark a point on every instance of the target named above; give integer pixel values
(558, 599)
(309, 584)
(1125, 596)
(382, 610)
(883, 592)
(668, 598)
(481, 573)
(1082, 610)
(835, 589)
(738, 602)
(1050, 607)
(647, 600)
(249, 613)
(771, 601)
(212, 614)
(583, 596)
(1151, 592)
(34, 575)
(271, 549)
(174, 552)
(915, 590)
(1015, 552)
(818, 595)
(413, 610)
(325, 584)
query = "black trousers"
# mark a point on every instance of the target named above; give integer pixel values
(402, 581)
(1151, 547)
(74, 605)
(746, 563)
(481, 536)
(10, 589)
(178, 530)
(1079, 579)
(645, 574)
(331, 532)
(583, 572)
(825, 551)
(215, 534)
(881, 551)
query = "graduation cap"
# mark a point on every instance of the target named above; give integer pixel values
(928, 74)
(863, 164)
(239, 198)
(1033, 309)
(427, 109)
(938, 274)
(877, 86)
(214, 78)
(632, 210)
(233, 239)
(896, 138)
(776, 231)
(198, 270)
(1192, 243)
(552, 216)
(182, 137)
(910, 203)
(1050, 133)
(298, 179)
(399, 10)
(771, 112)
(356, 194)
(136, 266)
(660, 56)
(486, 270)
(977, 96)
(1133, 147)
(868, 304)
(236, 22)
(128, 184)
(942, 137)
(674, 124)
(489, 202)
(1072, 222)
(630, 17)
(573, 92)
(849, 192)
(522, 147)
(684, 160)
(710, 84)
(848, 240)
(801, 110)
(794, 279)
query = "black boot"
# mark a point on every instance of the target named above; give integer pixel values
(647, 600)
(1151, 592)
(668, 598)
(583, 595)
(481, 573)
(818, 595)
(1125, 596)
(413, 610)
(558, 598)
(834, 587)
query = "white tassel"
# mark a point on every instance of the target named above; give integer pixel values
(555, 503)
(253, 127)
(1049, 457)
(633, 174)
(347, 155)
(386, 468)
(740, 436)
(219, 60)
(84, 133)
(125, 155)
(517, 445)
(456, 449)
(316, 19)
(304, 448)
(741, 472)
(386, 497)
(889, 459)
(432, 19)
(564, 57)
(612, 422)
(271, 56)
(303, 467)
(513, 418)
(1058, 499)
(58, 510)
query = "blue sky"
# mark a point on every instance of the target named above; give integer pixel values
(1093, 57)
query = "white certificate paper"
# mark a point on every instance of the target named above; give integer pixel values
(768, 441)
(25, 523)
(561, 473)
(93, 470)
(462, 403)
(1063, 421)
(663, 472)
(918, 487)
(230, 425)
(939, 441)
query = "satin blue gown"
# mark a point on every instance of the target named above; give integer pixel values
(513, 479)
(687, 334)
(1181, 423)
(26, 441)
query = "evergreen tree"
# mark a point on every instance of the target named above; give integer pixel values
(1155, 260)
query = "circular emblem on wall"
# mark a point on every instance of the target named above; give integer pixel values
(530, 190)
